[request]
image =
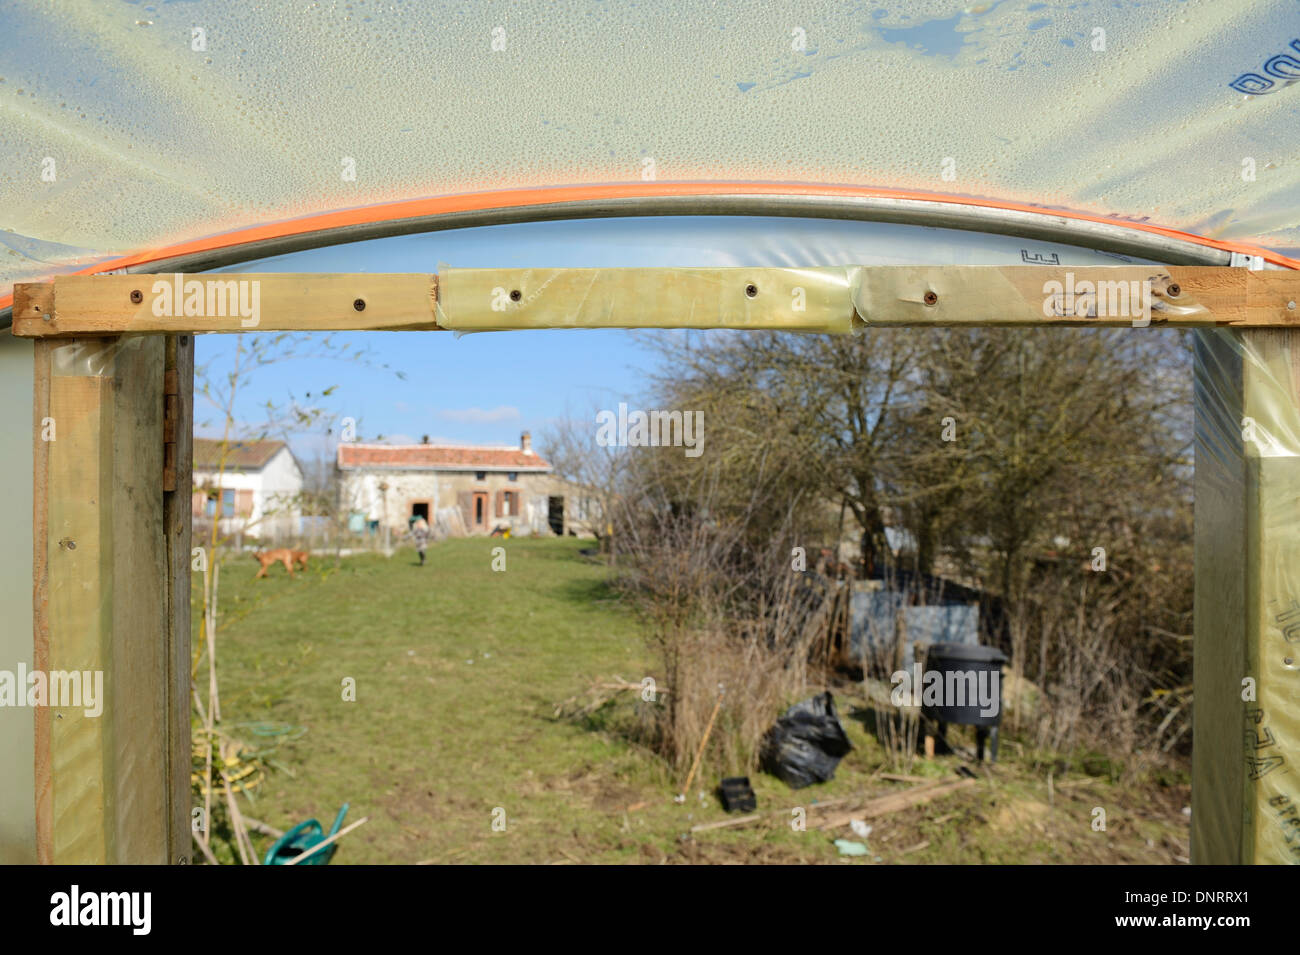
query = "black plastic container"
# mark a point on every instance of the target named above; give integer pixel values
(737, 794)
(964, 659)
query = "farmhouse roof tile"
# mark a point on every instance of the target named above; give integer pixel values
(438, 457)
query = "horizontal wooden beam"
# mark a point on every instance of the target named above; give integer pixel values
(89, 305)
(1125, 295)
(832, 299)
(811, 299)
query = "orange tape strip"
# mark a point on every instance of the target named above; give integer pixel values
(521, 198)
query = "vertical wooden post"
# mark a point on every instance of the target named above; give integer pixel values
(1246, 725)
(103, 583)
(179, 426)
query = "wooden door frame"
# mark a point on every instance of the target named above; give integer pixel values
(112, 416)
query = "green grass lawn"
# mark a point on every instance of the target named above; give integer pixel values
(458, 670)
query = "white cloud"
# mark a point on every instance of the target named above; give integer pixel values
(480, 415)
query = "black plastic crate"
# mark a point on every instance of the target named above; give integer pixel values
(737, 794)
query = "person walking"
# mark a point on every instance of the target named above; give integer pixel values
(420, 533)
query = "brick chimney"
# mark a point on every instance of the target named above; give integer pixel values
(526, 443)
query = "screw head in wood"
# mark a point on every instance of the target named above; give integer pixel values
(359, 305)
(930, 298)
(136, 296)
(1174, 290)
(751, 290)
(516, 295)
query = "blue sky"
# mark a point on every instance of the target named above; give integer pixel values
(486, 388)
(476, 389)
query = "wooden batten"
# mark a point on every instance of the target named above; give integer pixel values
(86, 305)
(177, 524)
(834, 299)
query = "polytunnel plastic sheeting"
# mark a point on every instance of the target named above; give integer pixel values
(132, 126)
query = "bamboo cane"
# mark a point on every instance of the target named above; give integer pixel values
(700, 752)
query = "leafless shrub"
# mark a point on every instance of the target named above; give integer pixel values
(719, 614)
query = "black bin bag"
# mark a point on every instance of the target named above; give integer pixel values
(806, 743)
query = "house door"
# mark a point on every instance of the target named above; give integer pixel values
(555, 514)
(480, 508)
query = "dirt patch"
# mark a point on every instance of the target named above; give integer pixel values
(1019, 814)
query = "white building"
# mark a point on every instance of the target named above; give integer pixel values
(254, 487)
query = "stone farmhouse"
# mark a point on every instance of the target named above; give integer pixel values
(459, 490)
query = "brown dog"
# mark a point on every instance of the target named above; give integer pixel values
(282, 556)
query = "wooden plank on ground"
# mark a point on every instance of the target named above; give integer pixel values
(895, 802)
(881, 805)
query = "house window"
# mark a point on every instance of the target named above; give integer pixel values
(227, 503)
(480, 475)
(512, 476)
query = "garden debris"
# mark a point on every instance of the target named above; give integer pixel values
(600, 694)
(738, 795)
(901, 778)
(695, 764)
(849, 848)
(729, 823)
(894, 802)
(868, 808)
(807, 743)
